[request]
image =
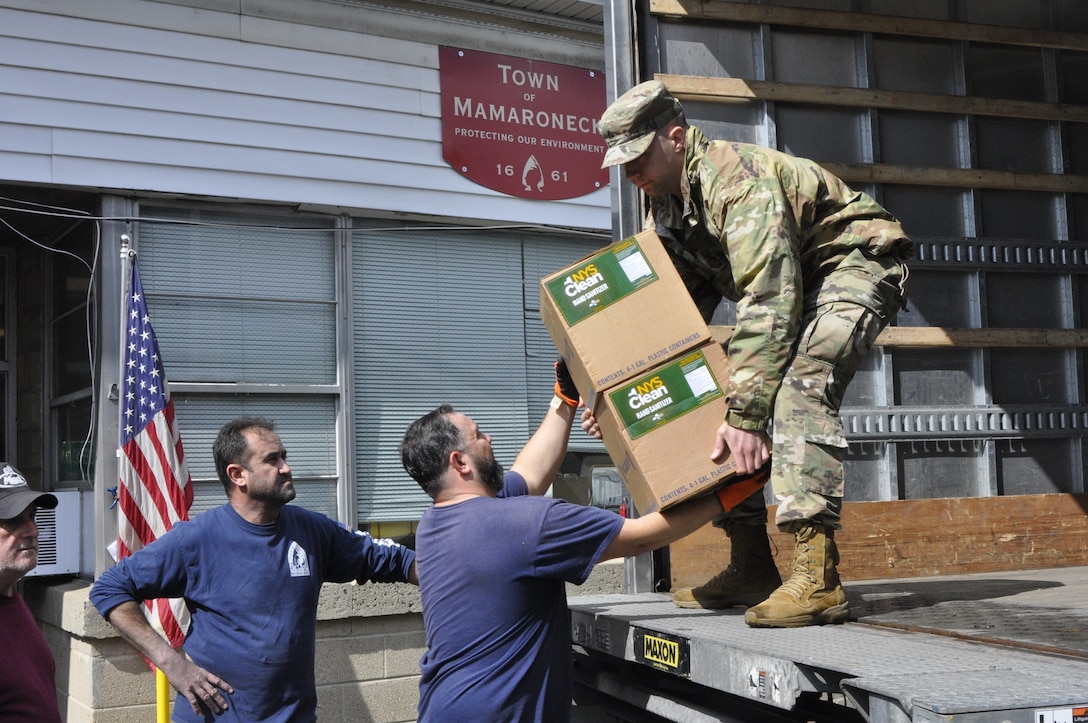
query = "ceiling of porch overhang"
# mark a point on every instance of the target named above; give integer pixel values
(588, 10)
(575, 15)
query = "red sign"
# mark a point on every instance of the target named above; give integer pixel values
(522, 127)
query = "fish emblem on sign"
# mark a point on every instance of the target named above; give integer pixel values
(532, 169)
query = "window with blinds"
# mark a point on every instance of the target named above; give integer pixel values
(247, 312)
(244, 308)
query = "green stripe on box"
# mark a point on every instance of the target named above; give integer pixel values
(668, 392)
(601, 281)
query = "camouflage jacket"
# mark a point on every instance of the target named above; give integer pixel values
(761, 228)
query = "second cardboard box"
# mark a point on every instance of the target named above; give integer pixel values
(659, 429)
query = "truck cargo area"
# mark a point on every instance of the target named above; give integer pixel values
(1002, 647)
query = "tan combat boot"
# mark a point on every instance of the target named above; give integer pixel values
(812, 595)
(750, 577)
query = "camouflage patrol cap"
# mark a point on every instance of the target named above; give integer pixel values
(629, 124)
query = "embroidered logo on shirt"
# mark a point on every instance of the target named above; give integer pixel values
(298, 561)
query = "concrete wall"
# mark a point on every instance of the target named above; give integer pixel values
(369, 642)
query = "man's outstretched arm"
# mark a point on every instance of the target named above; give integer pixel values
(658, 529)
(539, 461)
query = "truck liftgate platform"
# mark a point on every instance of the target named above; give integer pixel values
(1009, 647)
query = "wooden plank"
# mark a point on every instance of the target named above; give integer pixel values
(958, 177)
(937, 337)
(716, 10)
(730, 89)
(918, 538)
(917, 336)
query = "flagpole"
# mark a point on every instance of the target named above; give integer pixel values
(126, 256)
(162, 684)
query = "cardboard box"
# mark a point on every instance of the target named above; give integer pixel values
(619, 312)
(659, 429)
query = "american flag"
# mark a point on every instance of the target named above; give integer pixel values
(155, 490)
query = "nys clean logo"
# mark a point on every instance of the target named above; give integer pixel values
(584, 285)
(649, 397)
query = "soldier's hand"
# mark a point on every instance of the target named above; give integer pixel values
(750, 449)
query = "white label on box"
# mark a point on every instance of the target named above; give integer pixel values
(700, 380)
(635, 267)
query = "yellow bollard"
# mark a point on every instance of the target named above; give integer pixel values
(162, 697)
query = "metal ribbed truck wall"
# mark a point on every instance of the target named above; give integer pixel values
(969, 121)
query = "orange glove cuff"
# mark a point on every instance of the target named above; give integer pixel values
(733, 493)
(566, 400)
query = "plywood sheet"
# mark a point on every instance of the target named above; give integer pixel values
(918, 538)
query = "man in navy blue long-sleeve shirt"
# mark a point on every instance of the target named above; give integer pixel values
(251, 573)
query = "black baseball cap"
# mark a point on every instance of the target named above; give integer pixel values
(16, 495)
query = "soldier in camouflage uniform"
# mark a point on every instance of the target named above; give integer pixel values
(816, 271)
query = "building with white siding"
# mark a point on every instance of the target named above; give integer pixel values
(307, 255)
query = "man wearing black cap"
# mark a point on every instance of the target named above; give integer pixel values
(27, 688)
(816, 271)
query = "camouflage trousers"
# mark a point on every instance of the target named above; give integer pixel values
(841, 319)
